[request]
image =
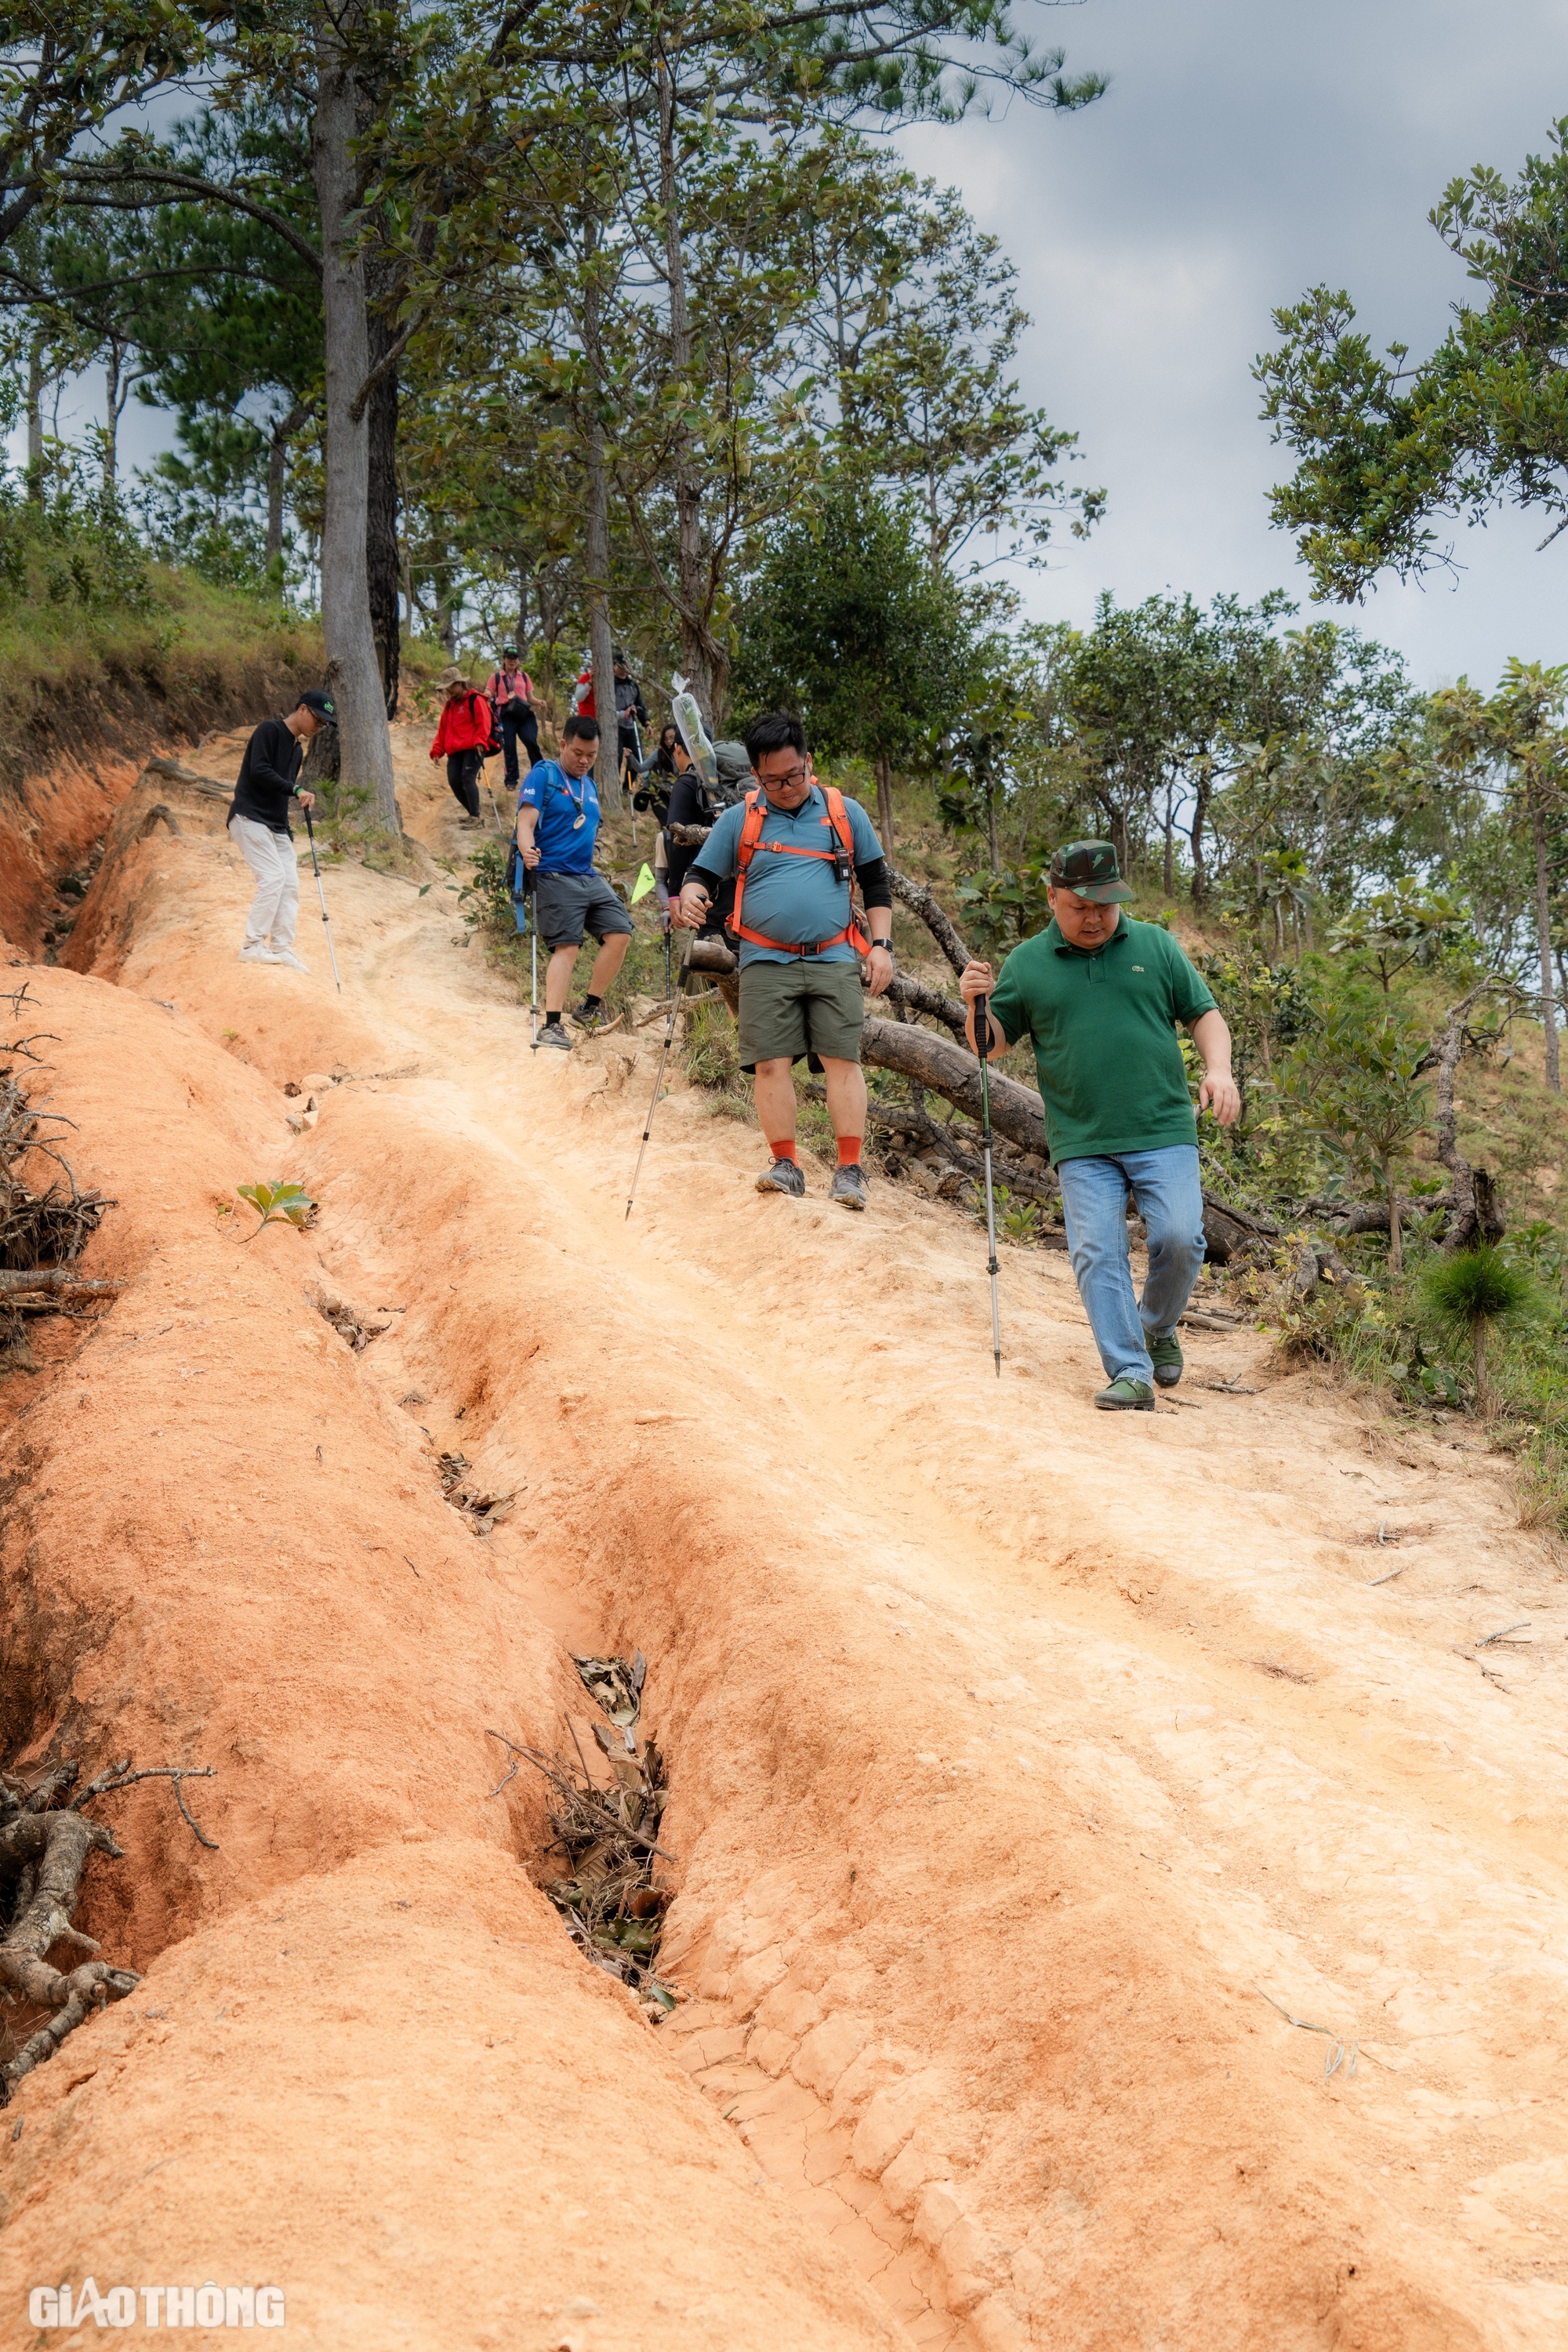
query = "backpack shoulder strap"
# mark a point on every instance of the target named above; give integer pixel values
(751, 834)
(838, 818)
(751, 830)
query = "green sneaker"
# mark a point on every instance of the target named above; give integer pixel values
(1126, 1396)
(1168, 1360)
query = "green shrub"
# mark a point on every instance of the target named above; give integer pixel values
(1470, 1293)
(713, 1049)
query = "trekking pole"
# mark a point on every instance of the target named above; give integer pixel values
(321, 894)
(983, 1040)
(658, 1081)
(533, 913)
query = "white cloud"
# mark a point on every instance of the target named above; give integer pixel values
(1244, 153)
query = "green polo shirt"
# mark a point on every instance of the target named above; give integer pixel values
(1104, 1027)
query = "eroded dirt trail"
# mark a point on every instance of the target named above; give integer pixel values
(1033, 1769)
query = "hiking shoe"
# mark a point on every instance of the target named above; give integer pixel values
(259, 955)
(783, 1176)
(286, 955)
(849, 1186)
(1166, 1357)
(590, 1019)
(1126, 1396)
(556, 1037)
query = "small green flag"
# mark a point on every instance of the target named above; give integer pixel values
(643, 884)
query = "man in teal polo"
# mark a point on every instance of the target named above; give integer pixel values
(1102, 997)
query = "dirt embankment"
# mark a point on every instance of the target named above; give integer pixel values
(1110, 1918)
(70, 750)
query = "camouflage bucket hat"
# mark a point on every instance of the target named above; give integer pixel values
(1089, 869)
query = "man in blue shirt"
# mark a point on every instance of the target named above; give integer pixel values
(791, 846)
(557, 822)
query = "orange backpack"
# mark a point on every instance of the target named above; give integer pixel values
(841, 858)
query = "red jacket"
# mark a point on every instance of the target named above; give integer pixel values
(464, 726)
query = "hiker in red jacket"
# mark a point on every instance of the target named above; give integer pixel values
(464, 735)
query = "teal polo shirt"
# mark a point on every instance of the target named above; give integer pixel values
(788, 898)
(1104, 1030)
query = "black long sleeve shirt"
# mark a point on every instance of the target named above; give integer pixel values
(266, 773)
(686, 807)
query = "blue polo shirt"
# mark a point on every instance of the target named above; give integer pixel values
(561, 799)
(790, 899)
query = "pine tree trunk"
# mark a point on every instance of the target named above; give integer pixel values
(283, 433)
(113, 402)
(600, 645)
(1543, 942)
(381, 528)
(35, 417)
(353, 673)
(1483, 1386)
(885, 803)
(695, 655)
(1200, 871)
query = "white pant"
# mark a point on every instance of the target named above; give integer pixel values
(275, 906)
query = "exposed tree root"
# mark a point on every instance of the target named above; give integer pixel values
(44, 1849)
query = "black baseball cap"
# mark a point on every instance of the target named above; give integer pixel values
(322, 704)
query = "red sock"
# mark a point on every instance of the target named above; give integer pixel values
(782, 1151)
(849, 1150)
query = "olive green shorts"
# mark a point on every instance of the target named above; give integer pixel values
(802, 1007)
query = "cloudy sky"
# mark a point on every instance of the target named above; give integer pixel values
(1246, 150)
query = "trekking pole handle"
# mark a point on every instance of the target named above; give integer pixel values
(981, 1027)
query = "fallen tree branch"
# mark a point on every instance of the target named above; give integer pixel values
(952, 1071)
(948, 1068)
(920, 900)
(53, 1277)
(1350, 1217)
(918, 996)
(920, 1133)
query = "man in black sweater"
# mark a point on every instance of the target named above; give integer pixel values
(259, 827)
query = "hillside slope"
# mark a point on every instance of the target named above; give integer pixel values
(1110, 1917)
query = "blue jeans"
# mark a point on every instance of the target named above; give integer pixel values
(1169, 1199)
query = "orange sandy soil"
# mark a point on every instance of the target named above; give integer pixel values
(1033, 1769)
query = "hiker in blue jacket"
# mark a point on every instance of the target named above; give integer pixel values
(558, 820)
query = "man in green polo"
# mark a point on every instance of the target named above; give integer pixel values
(1102, 996)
